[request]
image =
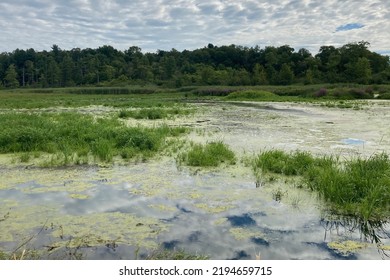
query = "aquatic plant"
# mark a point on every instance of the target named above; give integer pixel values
(355, 187)
(175, 254)
(210, 154)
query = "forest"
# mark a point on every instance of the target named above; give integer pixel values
(211, 65)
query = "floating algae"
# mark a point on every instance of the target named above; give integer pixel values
(121, 227)
(240, 233)
(214, 208)
(79, 196)
(347, 247)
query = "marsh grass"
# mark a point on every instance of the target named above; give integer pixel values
(154, 113)
(209, 155)
(358, 187)
(253, 95)
(73, 138)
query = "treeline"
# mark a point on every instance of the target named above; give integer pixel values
(211, 65)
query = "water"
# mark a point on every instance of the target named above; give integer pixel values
(353, 141)
(125, 212)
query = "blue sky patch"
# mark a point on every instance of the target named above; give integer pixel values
(349, 26)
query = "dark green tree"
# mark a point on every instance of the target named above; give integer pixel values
(286, 75)
(11, 77)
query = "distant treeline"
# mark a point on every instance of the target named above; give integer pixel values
(212, 65)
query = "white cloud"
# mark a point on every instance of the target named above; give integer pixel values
(190, 24)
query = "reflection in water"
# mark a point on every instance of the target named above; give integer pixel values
(243, 220)
(127, 216)
(369, 231)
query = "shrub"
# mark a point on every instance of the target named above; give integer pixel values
(321, 92)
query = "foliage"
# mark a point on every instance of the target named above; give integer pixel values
(252, 95)
(218, 65)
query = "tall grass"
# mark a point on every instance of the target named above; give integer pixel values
(355, 187)
(154, 113)
(209, 155)
(71, 134)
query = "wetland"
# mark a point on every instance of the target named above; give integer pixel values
(137, 176)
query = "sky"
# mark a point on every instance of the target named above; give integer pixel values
(191, 24)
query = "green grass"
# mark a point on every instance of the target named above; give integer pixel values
(358, 187)
(209, 155)
(72, 136)
(154, 113)
(253, 95)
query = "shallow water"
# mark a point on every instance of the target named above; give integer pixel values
(125, 212)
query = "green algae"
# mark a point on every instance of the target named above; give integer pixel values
(122, 227)
(347, 247)
(163, 207)
(79, 196)
(240, 233)
(220, 221)
(212, 209)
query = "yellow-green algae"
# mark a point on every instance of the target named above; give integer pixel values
(240, 233)
(22, 222)
(79, 196)
(163, 207)
(220, 221)
(121, 227)
(347, 247)
(214, 208)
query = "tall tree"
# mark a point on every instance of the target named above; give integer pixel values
(11, 77)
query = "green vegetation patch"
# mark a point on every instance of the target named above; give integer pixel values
(72, 136)
(209, 155)
(175, 254)
(358, 187)
(347, 247)
(153, 113)
(252, 95)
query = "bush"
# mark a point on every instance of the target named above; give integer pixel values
(321, 92)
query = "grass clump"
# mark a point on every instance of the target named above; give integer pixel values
(356, 187)
(280, 162)
(209, 155)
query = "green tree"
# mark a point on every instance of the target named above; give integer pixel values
(67, 70)
(53, 73)
(286, 75)
(309, 77)
(259, 76)
(11, 77)
(362, 69)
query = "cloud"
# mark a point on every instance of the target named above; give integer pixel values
(183, 24)
(349, 26)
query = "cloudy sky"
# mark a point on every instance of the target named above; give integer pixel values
(189, 24)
